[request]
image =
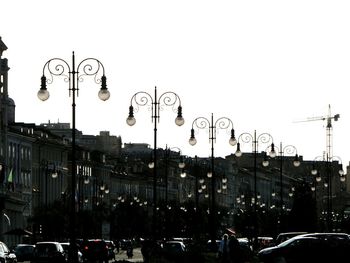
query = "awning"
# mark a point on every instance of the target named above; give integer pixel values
(231, 231)
(18, 232)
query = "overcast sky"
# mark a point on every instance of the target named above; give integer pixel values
(263, 64)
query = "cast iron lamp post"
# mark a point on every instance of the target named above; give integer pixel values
(285, 150)
(221, 123)
(73, 75)
(156, 103)
(328, 183)
(264, 138)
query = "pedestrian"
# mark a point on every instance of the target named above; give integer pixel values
(223, 252)
(235, 253)
(117, 245)
(146, 250)
(129, 250)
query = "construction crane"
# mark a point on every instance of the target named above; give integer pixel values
(329, 129)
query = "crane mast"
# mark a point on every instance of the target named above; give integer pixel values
(329, 130)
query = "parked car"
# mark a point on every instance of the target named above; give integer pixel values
(6, 255)
(174, 250)
(95, 250)
(245, 248)
(48, 251)
(213, 247)
(65, 246)
(264, 242)
(24, 252)
(316, 247)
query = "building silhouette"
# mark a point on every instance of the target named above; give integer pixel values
(35, 171)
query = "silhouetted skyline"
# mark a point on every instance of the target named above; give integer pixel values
(263, 64)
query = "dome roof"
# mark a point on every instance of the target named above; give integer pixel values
(10, 102)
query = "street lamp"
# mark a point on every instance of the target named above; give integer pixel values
(73, 75)
(264, 138)
(285, 150)
(328, 183)
(221, 123)
(145, 99)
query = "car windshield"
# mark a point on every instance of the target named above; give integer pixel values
(174, 246)
(24, 249)
(65, 246)
(45, 248)
(287, 242)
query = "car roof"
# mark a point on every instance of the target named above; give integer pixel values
(317, 235)
(331, 234)
(47, 242)
(292, 233)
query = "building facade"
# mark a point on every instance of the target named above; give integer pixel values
(36, 165)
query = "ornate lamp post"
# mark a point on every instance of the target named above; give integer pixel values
(285, 150)
(156, 103)
(263, 138)
(221, 123)
(73, 75)
(328, 183)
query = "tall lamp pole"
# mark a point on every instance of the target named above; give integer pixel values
(221, 123)
(328, 183)
(285, 150)
(59, 67)
(156, 103)
(264, 138)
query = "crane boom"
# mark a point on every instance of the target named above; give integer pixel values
(329, 129)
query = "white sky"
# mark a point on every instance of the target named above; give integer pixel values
(263, 64)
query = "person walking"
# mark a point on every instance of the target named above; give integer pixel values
(146, 250)
(129, 250)
(223, 252)
(235, 253)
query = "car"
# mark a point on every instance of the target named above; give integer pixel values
(6, 255)
(95, 250)
(264, 242)
(48, 251)
(65, 246)
(313, 247)
(213, 247)
(174, 250)
(245, 245)
(24, 252)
